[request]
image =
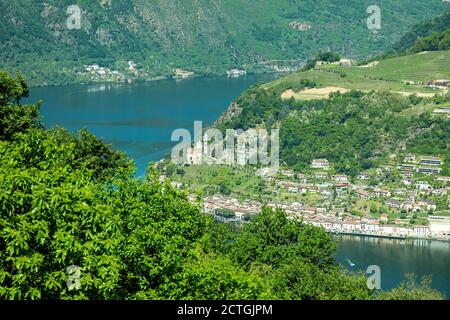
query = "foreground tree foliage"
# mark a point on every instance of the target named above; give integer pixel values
(69, 200)
(295, 259)
(412, 289)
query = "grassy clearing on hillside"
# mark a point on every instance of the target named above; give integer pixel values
(212, 179)
(417, 110)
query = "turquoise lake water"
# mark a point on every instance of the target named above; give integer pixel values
(139, 119)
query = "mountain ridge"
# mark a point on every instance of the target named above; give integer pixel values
(200, 36)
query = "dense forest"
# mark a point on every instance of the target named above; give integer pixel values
(431, 28)
(68, 200)
(434, 42)
(207, 37)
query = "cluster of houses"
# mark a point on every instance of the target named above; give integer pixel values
(410, 203)
(182, 74)
(98, 73)
(424, 164)
(342, 62)
(236, 73)
(336, 221)
(320, 180)
(214, 203)
(415, 198)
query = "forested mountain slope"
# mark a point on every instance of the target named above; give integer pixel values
(436, 26)
(202, 36)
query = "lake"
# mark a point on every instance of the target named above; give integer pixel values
(139, 119)
(396, 258)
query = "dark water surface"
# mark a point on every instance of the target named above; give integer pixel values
(396, 258)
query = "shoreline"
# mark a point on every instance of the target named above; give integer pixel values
(154, 79)
(369, 235)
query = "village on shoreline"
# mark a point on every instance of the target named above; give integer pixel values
(414, 205)
(130, 71)
(336, 221)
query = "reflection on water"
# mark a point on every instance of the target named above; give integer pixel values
(397, 257)
(144, 122)
(97, 88)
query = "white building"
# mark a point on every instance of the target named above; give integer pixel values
(320, 164)
(410, 158)
(234, 73)
(131, 65)
(195, 155)
(421, 231)
(176, 185)
(325, 191)
(321, 175)
(351, 225)
(388, 230)
(372, 226)
(422, 185)
(382, 192)
(364, 176)
(340, 178)
(439, 225)
(405, 232)
(443, 179)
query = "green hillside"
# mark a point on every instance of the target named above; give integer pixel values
(207, 37)
(425, 29)
(357, 130)
(430, 35)
(404, 74)
(436, 41)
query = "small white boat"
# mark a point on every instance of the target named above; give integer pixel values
(350, 263)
